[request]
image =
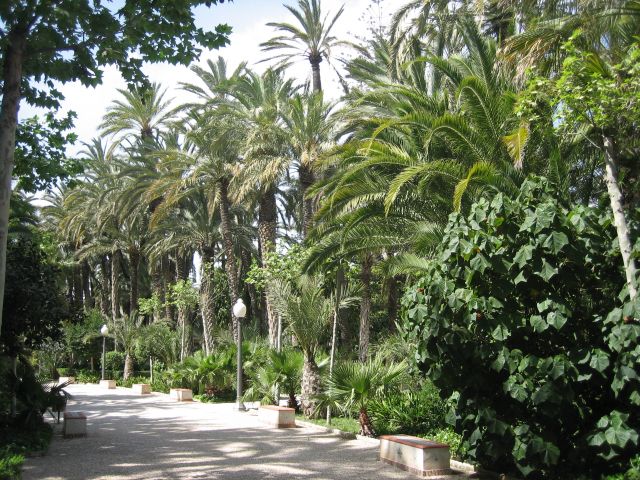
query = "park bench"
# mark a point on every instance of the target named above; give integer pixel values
(416, 455)
(279, 417)
(75, 424)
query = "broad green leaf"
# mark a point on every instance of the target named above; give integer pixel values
(524, 255)
(538, 323)
(555, 241)
(516, 143)
(546, 271)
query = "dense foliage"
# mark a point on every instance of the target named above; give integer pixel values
(518, 320)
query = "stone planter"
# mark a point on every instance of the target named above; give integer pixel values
(68, 380)
(181, 394)
(109, 384)
(141, 388)
(75, 424)
(278, 417)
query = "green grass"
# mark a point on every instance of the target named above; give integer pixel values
(350, 425)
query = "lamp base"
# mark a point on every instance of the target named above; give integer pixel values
(239, 406)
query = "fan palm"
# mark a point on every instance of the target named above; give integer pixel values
(352, 385)
(127, 331)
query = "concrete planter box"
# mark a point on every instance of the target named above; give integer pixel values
(110, 384)
(75, 424)
(62, 380)
(141, 388)
(181, 394)
(279, 417)
(416, 455)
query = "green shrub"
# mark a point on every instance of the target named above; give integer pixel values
(412, 412)
(160, 384)
(114, 361)
(67, 372)
(131, 380)
(518, 321)
(633, 473)
(451, 438)
(10, 464)
(86, 376)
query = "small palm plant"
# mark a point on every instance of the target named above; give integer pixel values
(352, 385)
(282, 368)
(127, 331)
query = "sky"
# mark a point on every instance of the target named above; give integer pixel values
(248, 19)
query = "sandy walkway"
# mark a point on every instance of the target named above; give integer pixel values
(152, 437)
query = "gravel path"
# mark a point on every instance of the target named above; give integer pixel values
(152, 437)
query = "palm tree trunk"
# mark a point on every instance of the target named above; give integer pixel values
(86, 286)
(365, 307)
(128, 367)
(157, 285)
(77, 287)
(11, 78)
(307, 178)
(207, 298)
(115, 284)
(310, 384)
(615, 197)
(227, 242)
(315, 73)
(267, 225)
(134, 261)
(168, 277)
(105, 306)
(392, 302)
(366, 427)
(183, 311)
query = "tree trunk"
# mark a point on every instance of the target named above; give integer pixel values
(615, 196)
(11, 77)
(134, 261)
(267, 225)
(307, 178)
(365, 307)
(168, 277)
(115, 284)
(310, 384)
(105, 306)
(366, 428)
(87, 298)
(230, 266)
(157, 285)
(392, 302)
(128, 367)
(77, 287)
(182, 273)
(207, 298)
(315, 73)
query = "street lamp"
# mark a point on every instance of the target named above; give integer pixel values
(239, 311)
(104, 331)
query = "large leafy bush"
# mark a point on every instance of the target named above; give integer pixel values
(518, 318)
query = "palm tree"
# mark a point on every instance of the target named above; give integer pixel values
(352, 385)
(310, 39)
(259, 103)
(311, 125)
(307, 313)
(126, 331)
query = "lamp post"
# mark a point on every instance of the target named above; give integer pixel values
(104, 331)
(239, 311)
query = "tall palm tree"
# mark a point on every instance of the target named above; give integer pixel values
(311, 125)
(259, 103)
(311, 38)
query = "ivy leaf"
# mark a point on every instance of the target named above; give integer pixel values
(538, 323)
(547, 271)
(556, 319)
(479, 263)
(524, 255)
(501, 333)
(599, 361)
(555, 241)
